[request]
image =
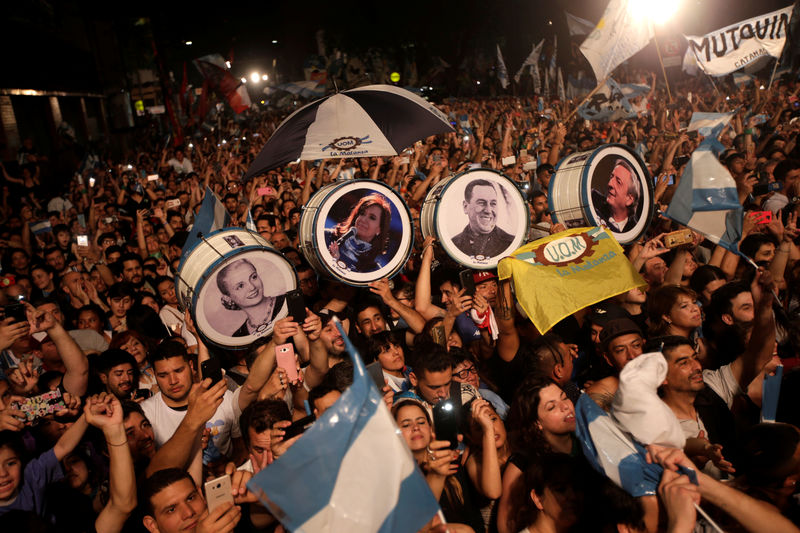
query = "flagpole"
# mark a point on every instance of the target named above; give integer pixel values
(601, 84)
(661, 61)
(775, 68)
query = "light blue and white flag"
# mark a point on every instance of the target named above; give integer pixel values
(502, 73)
(531, 61)
(554, 59)
(212, 217)
(351, 471)
(706, 199)
(706, 123)
(612, 452)
(606, 104)
(740, 78)
(619, 34)
(578, 25)
(562, 94)
(42, 226)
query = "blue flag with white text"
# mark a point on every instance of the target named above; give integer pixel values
(351, 471)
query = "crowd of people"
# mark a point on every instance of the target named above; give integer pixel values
(107, 422)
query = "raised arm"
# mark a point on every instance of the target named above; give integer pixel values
(76, 377)
(412, 317)
(104, 411)
(422, 292)
(761, 345)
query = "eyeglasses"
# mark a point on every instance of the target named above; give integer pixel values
(464, 374)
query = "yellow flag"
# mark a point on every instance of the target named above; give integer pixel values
(558, 275)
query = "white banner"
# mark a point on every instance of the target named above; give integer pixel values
(577, 25)
(617, 36)
(736, 46)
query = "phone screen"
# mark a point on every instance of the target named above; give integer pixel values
(211, 368)
(445, 422)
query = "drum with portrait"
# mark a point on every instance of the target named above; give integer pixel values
(609, 186)
(356, 231)
(235, 284)
(478, 217)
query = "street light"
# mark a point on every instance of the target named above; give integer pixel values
(188, 43)
(255, 77)
(244, 80)
(274, 41)
(264, 77)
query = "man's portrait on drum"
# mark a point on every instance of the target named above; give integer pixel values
(243, 290)
(481, 237)
(623, 193)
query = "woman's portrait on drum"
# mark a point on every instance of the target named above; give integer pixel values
(360, 242)
(242, 290)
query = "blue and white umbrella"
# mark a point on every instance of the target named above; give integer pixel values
(376, 120)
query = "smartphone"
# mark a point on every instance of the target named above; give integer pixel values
(284, 354)
(152, 177)
(761, 217)
(671, 179)
(530, 165)
(108, 220)
(211, 368)
(91, 182)
(375, 371)
(508, 161)
(760, 189)
(142, 393)
(680, 161)
(404, 160)
(298, 427)
(16, 311)
(467, 282)
(266, 191)
(677, 238)
(83, 240)
(445, 422)
(41, 406)
(218, 492)
(82, 220)
(296, 305)
(172, 204)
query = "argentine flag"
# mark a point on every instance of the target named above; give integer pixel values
(351, 471)
(612, 452)
(706, 199)
(212, 217)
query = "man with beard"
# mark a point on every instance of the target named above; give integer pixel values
(702, 399)
(119, 373)
(130, 269)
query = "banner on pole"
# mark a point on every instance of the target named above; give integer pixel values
(736, 46)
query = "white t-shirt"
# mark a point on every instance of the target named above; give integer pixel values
(181, 167)
(723, 383)
(224, 424)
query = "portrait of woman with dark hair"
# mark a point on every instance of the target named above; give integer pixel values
(363, 236)
(243, 290)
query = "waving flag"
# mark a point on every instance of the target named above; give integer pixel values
(611, 452)
(220, 79)
(577, 25)
(736, 46)
(558, 275)
(706, 123)
(502, 73)
(554, 58)
(562, 94)
(531, 61)
(706, 199)
(212, 217)
(608, 103)
(617, 36)
(351, 471)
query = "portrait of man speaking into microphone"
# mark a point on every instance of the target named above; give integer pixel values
(617, 194)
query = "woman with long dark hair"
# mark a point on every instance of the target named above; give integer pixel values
(363, 236)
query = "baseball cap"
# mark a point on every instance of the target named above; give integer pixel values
(616, 328)
(605, 312)
(483, 275)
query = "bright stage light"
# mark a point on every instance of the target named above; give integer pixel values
(255, 77)
(244, 80)
(264, 77)
(658, 12)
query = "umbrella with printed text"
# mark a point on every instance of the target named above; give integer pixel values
(375, 120)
